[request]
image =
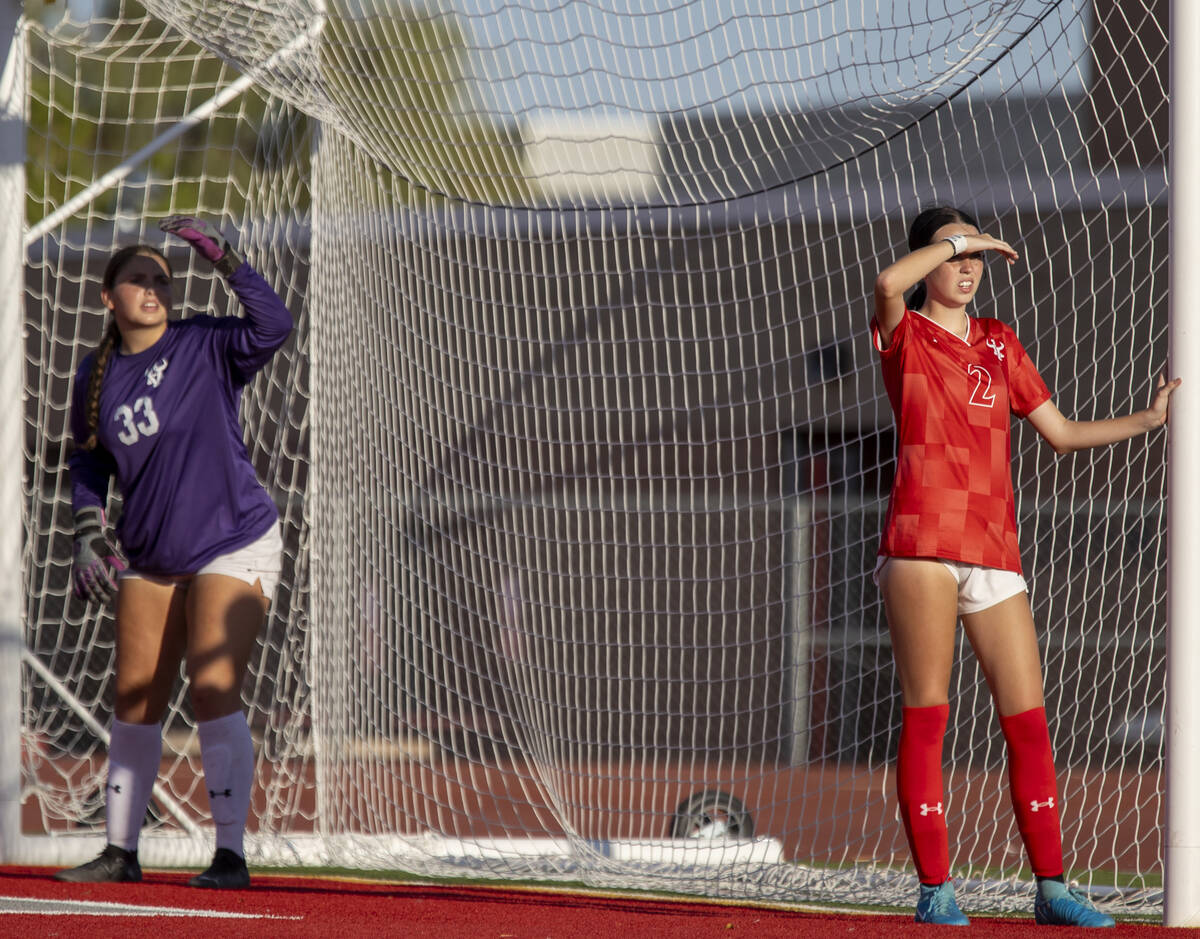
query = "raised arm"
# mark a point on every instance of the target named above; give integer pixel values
(267, 323)
(1066, 435)
(895, 280)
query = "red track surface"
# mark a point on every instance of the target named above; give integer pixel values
(301, 906)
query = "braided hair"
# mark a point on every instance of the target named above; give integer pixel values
(920, 234)
(111, 339)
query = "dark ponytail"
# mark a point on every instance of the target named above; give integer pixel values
(112, 337)
(921, 232)
(91, 403)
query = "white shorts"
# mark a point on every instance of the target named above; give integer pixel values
(261, 560)
(978, 587)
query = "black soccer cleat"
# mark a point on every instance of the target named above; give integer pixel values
(113, 866)
(227, 872)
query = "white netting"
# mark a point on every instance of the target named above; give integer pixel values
(598, 453)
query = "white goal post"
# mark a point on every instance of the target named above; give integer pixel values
(1182, 848)
(580, 448)
(12, 301)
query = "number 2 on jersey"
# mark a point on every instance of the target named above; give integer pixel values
(982, 396)
(137, 421)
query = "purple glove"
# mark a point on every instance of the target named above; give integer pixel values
(97, 560)
(208, 242)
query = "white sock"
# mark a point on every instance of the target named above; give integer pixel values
(227, 753)
(134, 753)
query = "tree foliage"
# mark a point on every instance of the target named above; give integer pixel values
(393, 82)
(97, 100)
(396, 80)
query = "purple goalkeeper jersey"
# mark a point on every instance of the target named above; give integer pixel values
(169, 430)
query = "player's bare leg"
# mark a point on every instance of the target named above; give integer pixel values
(225, 615)
(151, 635)
(151, 639)
(921, 599)
(1005, 642)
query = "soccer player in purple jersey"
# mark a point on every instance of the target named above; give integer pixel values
(156, 406)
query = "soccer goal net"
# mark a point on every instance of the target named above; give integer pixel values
(580, 447)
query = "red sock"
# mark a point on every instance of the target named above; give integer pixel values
(919, 787)
(1033, 789)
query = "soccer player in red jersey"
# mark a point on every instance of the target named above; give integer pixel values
(949, 548)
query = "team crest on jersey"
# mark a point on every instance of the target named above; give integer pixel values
(154, 374)
(997, 347)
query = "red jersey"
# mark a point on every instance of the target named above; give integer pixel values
(952, 399)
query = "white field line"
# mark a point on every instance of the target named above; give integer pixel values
(28, 905)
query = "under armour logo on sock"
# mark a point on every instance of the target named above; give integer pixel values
(931, 809)
(1034, 805)
(115, 787)
(227, 793)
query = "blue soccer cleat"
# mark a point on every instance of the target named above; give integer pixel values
(1060, 905)
(937, 905)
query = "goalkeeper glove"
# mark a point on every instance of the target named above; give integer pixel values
(206, 240)
(97, 560)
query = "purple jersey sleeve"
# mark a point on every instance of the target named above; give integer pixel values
(90, 469)
(169, 431)
(254, 339)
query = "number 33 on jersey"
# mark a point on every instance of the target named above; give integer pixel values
(139, 419)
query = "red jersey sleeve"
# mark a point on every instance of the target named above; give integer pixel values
(1026, 389)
